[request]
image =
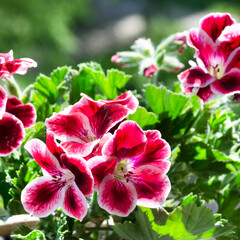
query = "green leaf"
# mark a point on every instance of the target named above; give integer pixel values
(109, 84)
(53, 87)
(35, 234)
(190, 221)
(140, 230)
(128, 231)
(82, 83)
(143, 117)
(161, 100)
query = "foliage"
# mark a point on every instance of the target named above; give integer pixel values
(204, 173)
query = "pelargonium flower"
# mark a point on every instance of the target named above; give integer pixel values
(82, 126)
(9, 66)
(132, 170)
(14, 117)
(65, 183)
(217, 46)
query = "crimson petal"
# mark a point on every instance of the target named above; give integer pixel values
(79, 149)
(44, 157)
(206, 93)
(82, 173)
(151, 185)
(54, 147)
(70, 127)
(74, 204)
(157, 150)
(204, 45)
(128, 141)
(233, 60)
(20, 66)
(11, 133)
(214, 23)
(195, 77)
(127, 99)
(101, 167)
(43, 196)
(229, 83)
(25, 112)
(117, 197)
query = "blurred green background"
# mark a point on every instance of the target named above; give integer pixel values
(61, 32)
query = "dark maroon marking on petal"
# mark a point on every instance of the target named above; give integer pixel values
(151, 185)
(117, 197)
(195, 77)
(233, 60)
(75, 204)
(82, 173)
(229, 83)
(86, 105)
(69, 126)
(42, 196)
(214, 23)
(128, 141)
(26, 113)
(206, 93)
(157, 150)
(11, 133)
(106, 117)
(12, 66)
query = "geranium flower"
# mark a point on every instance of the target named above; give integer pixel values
(65, 183)
(217, 46)
(9, 66)
(14, 117)
(81, 127)
(132, 170)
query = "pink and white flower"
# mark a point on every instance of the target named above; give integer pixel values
(82, 126)
(132, 170)
(14, 117)
(66, 181)
(217, 50)
(9, 66)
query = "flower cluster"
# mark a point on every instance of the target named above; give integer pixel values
(98, 150)
(151, 59)
(217, 50)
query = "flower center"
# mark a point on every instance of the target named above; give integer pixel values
(66, 178)
(216, 69)
(122, 171)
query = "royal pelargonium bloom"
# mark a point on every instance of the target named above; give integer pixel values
(132, 170)
(66, 181)
(217, 46)
(9, 66)
(14, 117)
(82, 126)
